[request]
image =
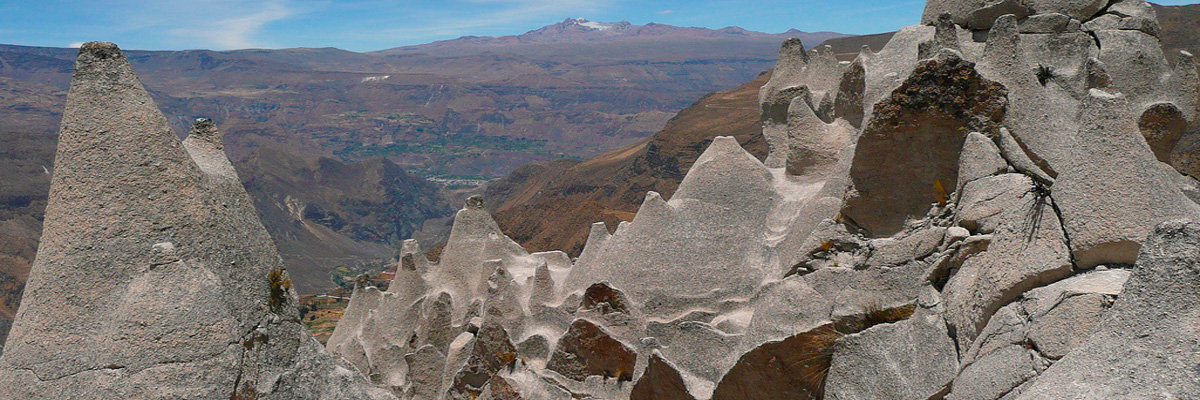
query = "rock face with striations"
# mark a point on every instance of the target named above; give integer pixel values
(155, 278)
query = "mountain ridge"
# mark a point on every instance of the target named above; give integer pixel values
(581, 29)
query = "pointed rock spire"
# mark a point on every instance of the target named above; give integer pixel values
(474, 238)
(149, 259)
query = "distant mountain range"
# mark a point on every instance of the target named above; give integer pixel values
(610, 35)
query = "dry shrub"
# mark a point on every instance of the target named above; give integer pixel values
(280, 284)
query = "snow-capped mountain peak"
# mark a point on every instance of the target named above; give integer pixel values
(599, 26)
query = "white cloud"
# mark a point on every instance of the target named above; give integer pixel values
(75, 45)
(237, 30)
(216, 24)
(665, 12)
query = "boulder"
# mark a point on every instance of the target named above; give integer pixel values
(1146, 346)
(812, 146)
(1107, 225)
(848, 104)
(912, 142)
(609, 307)
(586, 349)
(980, 158)
(912, 359)
(1137, 65)
(1045, 23)
(775, 116)
(788, 369)
(985, 201)
(906, 247)
(1029, 334)
(785, 308)
(891, 67)
(490, 351)
(661, 381)
(699, 350)
(1162, 124)
(424, 375)
(520, 383)
(795, 368)
(1131, 15)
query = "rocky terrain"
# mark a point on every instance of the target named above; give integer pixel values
(990, 206)
(999, 203)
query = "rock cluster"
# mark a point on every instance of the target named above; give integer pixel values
(969, 213)
(955, 216)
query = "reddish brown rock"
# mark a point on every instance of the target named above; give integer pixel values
(586, 350)
(912, 142)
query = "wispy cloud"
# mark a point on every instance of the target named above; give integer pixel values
(237, 30)
(664, 12)
(75, 45)
(217, 24)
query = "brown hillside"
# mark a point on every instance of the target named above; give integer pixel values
(549, 206)
(1180, 28)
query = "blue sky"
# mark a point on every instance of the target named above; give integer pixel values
(363, 25)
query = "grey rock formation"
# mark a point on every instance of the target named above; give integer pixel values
(1107, 225)
(848, 103)
(984, 202)
(490, 350)
(1029, 250)
(713, 226)
(812, 144)
(812, 76)
(911, 359)
(1031, 333)
(155, 278)
(972, 182)
(580, 275)
(1139, 352)
(980, 14)
(979, 158)
(1034, 115)
(474, 238)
